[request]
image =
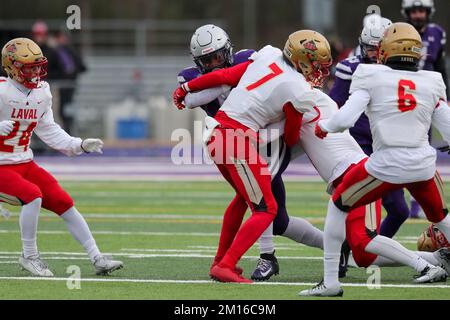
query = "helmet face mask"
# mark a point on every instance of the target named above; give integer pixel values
(320, 73)
(215, 60)
(32, 73)
(369, 53)
(23, 61)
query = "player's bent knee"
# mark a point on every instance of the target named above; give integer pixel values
(59, 204)
(363, 259)
(30, 194)
(338, 203)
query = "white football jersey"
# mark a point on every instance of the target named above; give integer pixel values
(31, 112)
(266, 86)
(333, 155)
(400, 111)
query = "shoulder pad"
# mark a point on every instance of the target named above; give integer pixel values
(242, 56)
(267, 50)
(188, 74)
(346, 68)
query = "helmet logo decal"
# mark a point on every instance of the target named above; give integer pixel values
(207, 50)
(311, 45)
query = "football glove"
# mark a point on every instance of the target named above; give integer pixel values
(92, 145)
(6, 127)
(319, 132)
(178, 97)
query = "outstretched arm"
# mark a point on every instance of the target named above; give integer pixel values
(55, 137)
(227, 76)
(347, 116)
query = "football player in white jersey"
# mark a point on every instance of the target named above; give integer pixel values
(26, 108)
(401, 104)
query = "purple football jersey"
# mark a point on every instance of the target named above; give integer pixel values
(433, 40)
(193, 72)
(340, 93)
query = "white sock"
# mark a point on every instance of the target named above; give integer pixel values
(334, 236)
(304, 232)
(385, 262)
(80, 231)
(28, 221)
(394, 251)
(444, 226)
(266, 244)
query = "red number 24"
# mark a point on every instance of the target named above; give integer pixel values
(276, 71)
(24, 138)
(406, 101)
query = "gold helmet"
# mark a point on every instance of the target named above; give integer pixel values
(23, 61)
(401, 41)
(432, 239)
(310, 53)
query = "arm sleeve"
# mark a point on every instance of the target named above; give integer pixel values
(292, 125)
(227, 76)
(347, 116)
(441, 120)
(200, 98)
(55, 137)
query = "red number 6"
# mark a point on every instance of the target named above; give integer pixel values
(406, 101)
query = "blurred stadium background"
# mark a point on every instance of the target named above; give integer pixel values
(113, 78)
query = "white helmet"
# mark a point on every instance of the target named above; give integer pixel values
(372, 33)
(408, 5)
(211, 48)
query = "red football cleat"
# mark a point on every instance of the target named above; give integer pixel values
(237, 269)
(227, 275)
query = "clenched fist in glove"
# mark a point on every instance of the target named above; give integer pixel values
(92, 145)
(6, 127)
(178, 97)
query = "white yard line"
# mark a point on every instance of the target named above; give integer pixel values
(82, 256)
(211, 282)
(127, 233)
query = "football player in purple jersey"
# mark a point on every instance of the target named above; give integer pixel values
(419, 14)
(211, 49)
(394, 202)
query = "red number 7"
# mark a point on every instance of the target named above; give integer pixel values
(276, 71)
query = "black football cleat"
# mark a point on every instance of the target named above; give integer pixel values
(266, 267)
